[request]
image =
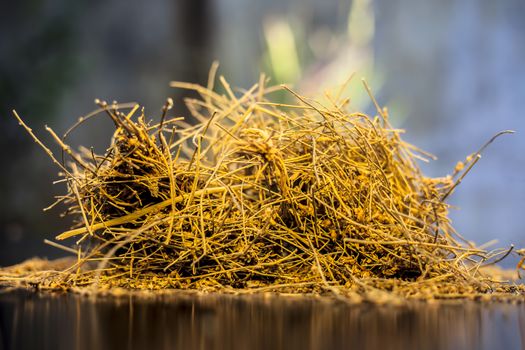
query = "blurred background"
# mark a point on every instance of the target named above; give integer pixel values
(450, 72)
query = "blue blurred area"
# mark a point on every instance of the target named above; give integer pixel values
(451, 72)
(457, 69)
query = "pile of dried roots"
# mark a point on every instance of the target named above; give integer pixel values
(302, 198)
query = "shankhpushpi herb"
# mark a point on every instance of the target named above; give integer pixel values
(262, 196)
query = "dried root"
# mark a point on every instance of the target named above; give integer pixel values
(300, 198)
